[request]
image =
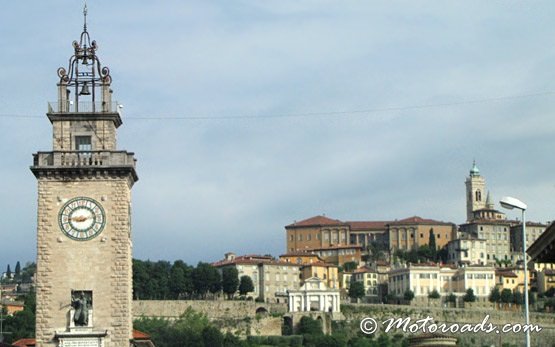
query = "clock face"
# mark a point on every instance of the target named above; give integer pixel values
(82, 218)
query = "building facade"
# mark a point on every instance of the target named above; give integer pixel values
(324, 271)
(467, 251)
(414, 232)
(497, 236)
(533, 232)
(83, 280)
(422, 279)
(316, 232)
(271, 278)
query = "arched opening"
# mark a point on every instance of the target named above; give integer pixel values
(262, 311)
(287, 326)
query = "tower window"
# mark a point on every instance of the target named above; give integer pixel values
(83, 143)
(478, 195)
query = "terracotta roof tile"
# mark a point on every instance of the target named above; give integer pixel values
(418, 220)
(317, 221)
(505, 273)
(139, 335)
(25, 342)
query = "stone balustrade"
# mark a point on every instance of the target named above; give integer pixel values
(83, 159)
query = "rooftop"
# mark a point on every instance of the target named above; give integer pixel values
(317, 221)
(419, 220)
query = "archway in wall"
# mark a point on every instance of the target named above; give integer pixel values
(262, 311)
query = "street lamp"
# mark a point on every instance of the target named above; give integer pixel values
(510, 203)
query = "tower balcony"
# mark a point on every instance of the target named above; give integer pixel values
(84, 162)
(84, 111)
(83, 107)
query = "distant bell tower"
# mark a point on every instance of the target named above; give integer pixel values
(475, 192)
(84, 269)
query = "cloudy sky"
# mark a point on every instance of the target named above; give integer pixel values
(248, 115)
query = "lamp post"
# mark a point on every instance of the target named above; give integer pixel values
(510, 203)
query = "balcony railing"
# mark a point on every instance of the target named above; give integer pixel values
(83, 159)
(83, 107)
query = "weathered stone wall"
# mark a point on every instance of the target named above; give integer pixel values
(242, 317)
(213, 309)
(102, 264)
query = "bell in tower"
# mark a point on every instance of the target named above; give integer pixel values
(84, 283)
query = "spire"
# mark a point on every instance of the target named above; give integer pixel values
(489, 202)
(85, 17)
(474, 171)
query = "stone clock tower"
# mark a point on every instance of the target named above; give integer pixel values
(84, 268)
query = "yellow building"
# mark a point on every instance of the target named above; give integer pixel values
(316, 232)
(545, 280)
(345, 280)
(338, 255)
(415, 231)
(369, 278)
(299, 257)
(511, 278)
(324, 271)
(422, 279)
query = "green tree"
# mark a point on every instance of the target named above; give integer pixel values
(384, 341)
(531, 298)
(206, 278)
(350, 266)
(17, 270)
(434, 294)
(211, 336)
(140, 280)
(451, 298)
(9, 272)
(22, 323)
(495, 295)
(432, 240)
(518, 298)
(180, 284)
(408, 295)
(245, 285)
(231, 340)
(356, 290)
(28, 272)
(310, 326)
(506, 296)
(230, 281)
(469, 296)
(160, 279)
(187, 331)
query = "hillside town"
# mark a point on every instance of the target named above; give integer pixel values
(405, 261)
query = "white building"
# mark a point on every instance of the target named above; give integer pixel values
(314, 296)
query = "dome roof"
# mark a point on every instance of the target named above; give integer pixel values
(474, 171)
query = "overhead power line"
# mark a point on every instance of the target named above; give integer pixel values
(320, 113)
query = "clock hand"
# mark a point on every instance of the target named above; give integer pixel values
(79, 218)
